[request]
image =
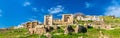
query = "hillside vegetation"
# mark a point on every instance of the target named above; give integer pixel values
(92, 33)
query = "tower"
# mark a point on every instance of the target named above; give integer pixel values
(67, 19)
(48, 20)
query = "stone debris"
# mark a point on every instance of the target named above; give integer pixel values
(68, 29)
(40, 30)
(80, 29)
(49, 29)
(31, 31)
(56, 27)
(89, 26)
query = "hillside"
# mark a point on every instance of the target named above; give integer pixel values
(92, 33)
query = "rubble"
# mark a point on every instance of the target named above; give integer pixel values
(68, 29)
(80, 29)
(49, 28)
(31, 31)
(40, 30)
(56, 27)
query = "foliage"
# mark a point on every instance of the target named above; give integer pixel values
(92, 33)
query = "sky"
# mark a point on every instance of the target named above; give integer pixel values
(15, 12)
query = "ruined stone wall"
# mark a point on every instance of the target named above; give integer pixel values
(48, 20)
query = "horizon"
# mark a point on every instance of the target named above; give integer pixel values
(15, 12)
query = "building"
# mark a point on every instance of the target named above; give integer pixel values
(48, 20)
(67, 19)
(86, 18)
(79, 16)
(57, 22)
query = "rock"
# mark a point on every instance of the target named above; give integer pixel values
(56, 27)
(40, 30)
(49, 29)
(89, 26)
(68, 29)
(80, 29)
(28, 25)
(31, 31)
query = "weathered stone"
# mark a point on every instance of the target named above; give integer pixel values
(80, 29)
(48, 20)
(40, 30)
(67, 19)
(68, 29)
(31, 30)
(49, 29)
(34, 24)
(29, 25)
(56, 27)
(88, 26)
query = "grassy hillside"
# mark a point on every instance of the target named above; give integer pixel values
(92, 33)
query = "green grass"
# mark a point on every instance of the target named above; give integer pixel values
(92, 33)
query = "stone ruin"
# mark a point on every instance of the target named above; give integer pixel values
(68, 29)
(35, 28)
(30, 27)
(40, 29)
(31, 31)
(88, 26)
(80, 29)
(48, 28)
(56, 27)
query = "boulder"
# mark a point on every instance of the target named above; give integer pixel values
(89, 26)
(40, 30)
(56, 27)
(31, 31)
(80, 29)
(68, 29)
(49, 29)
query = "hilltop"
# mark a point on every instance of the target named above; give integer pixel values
(59, 33)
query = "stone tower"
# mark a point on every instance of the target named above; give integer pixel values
(35, 23)
(67, 19)
(29, 25)
(48, 20)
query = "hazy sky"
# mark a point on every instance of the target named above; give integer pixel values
(15, 12)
